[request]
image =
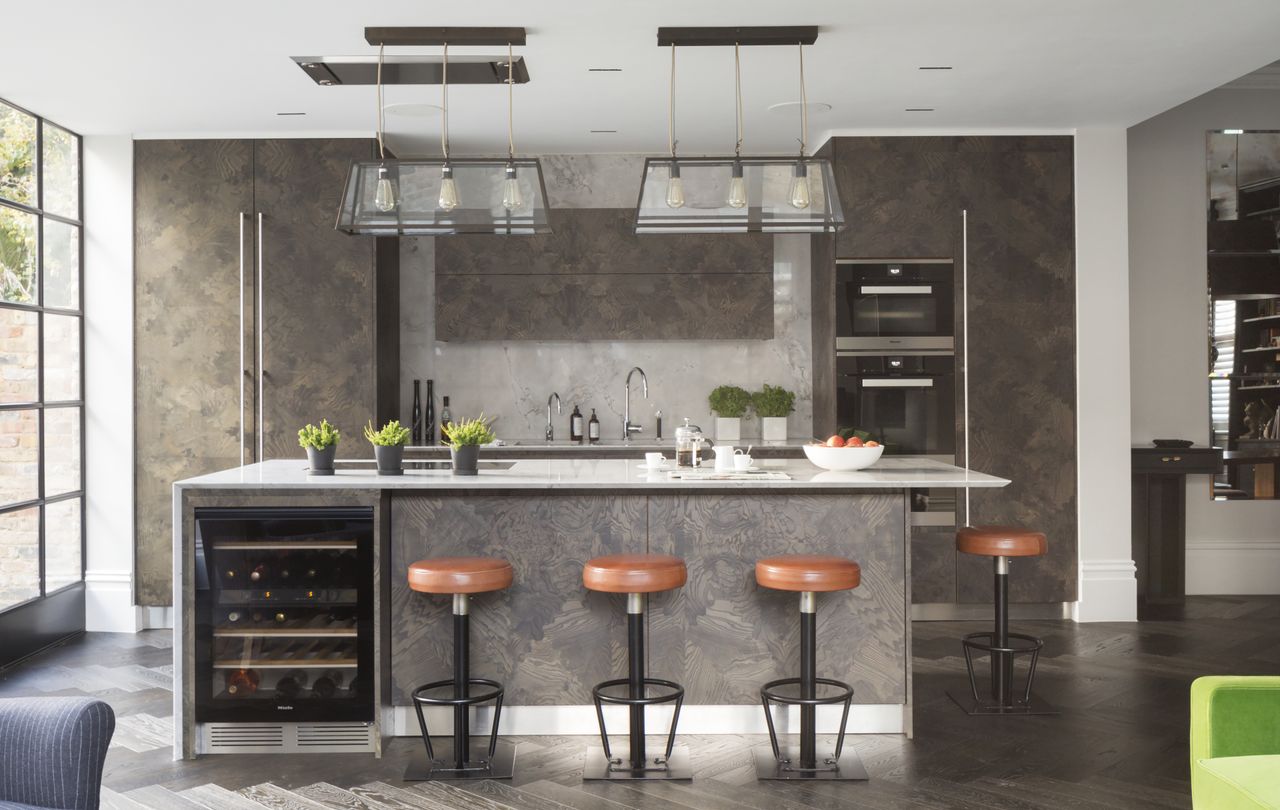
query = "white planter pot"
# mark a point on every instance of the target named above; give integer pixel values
(728, 429)
(773, 428)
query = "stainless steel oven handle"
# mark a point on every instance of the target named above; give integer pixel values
(896, 289)
(897, 382)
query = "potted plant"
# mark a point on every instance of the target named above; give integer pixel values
(465, 438)
(730, 403)
(773, 403)
(321, 444)
(388, 446)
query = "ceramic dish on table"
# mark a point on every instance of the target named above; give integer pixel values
(843, 458)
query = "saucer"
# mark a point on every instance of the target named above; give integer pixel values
(666, 465)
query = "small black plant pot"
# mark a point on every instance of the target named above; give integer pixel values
(465, 458)
(390, 459)
(320, 462)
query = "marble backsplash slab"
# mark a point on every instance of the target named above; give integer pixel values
(513, 379)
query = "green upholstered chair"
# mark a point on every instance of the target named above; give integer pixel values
(1235, 742)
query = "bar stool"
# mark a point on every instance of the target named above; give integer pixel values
(1001, 543)
(461, 577)
(636, 575)
(808, 574)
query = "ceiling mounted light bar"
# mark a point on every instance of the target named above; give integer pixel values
(736, 194)
(334, 71)
(446, 195)
(417, 35)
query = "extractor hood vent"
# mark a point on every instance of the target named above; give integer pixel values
(363, 70)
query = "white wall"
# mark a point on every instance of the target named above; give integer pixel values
(1232, 547)
(108, 307)
(1108, 583)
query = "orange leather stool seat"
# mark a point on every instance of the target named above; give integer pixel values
(1001, 541)
(460, 575)
(634, 573)
(808, 572)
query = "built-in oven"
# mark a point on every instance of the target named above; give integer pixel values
(895, 306)
(907, 402)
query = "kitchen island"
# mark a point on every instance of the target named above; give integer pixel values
(549, 640)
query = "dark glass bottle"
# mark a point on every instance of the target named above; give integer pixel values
(291, 684)
(234, 616)
(416, 424)
(258, 576)
(575, 426)
(445, 418)
(593, 428)
(242, 682)
(327, 685)
(429, 414)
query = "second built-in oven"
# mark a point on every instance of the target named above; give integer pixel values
(898, 306)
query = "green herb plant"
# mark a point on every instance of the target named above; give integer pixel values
(391, 435)
(319, 438)
(466, 432)
(729, 401)
(773, 400)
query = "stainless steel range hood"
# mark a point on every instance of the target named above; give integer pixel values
(363, 70)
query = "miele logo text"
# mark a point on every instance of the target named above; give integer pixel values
(285, 708)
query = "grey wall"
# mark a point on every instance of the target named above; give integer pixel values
(512, 379)
(1232, 547)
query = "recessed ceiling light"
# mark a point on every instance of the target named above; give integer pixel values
(602, 131)
(919, 109)
(815, 107)
(604, 70)
(290, 113)
(935, 67)
(1233, 132)
(412, 110)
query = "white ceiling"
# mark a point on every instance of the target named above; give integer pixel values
(197, 68)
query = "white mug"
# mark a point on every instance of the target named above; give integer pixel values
(724, 456)
(742, 462)
(653, 460)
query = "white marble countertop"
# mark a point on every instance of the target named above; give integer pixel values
(610, 474)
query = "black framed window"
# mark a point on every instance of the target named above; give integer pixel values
(41, 359)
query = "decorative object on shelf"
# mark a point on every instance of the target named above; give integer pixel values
(1172, 443)
(465, 438)
(388, 446)
(773, 404)
(730, 404)
(736, 194)
(447, 195)
(1258, 415)
(321, 444)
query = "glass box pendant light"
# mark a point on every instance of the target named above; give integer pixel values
(737, 194)
(445, 195)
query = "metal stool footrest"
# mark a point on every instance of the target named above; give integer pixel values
(494, 694)
(769, 694)
(1032, 647)
(676, 695)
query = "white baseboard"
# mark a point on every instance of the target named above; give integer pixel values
(108, 602)
(1233, 567)
(745, 719)
(1108, 591)
(156, 618)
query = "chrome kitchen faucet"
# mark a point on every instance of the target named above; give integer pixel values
(627, 427)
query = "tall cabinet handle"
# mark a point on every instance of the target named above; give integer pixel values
(262, 374)
(964, 368)
(240, 379)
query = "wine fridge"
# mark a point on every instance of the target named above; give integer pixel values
(284, 628)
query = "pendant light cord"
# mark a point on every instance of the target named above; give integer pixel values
(511, 138)
(671, 105)
(444, 105)
(737, 84)
(804, 107)
(382, 153)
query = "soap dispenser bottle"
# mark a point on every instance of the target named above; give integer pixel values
(575, 426)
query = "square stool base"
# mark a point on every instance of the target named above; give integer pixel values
(596, 767)
(848, 769)
(1034, 707)
(502, 766)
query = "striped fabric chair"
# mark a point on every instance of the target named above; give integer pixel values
(52, 750)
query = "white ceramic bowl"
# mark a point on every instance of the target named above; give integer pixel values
(843, 458)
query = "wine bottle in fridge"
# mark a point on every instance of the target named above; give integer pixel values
(242, 682)
(416, 424)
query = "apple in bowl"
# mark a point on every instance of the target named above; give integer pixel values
(837, 454)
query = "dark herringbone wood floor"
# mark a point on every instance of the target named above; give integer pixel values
(1119, 743)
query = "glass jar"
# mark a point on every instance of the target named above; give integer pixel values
(689, 442)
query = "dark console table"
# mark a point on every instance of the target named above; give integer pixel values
(1160, 518)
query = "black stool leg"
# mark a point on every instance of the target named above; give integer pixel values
(635, 667)
(461, 678)
(1001, 663)
(808, 680)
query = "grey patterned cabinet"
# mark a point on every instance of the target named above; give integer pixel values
(248, 306)
(903, 198)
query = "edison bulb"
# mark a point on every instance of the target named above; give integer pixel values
(799, 194)
(737, 188)
(512, 199)
(384, 198)
(448, 199)
(675, 188)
